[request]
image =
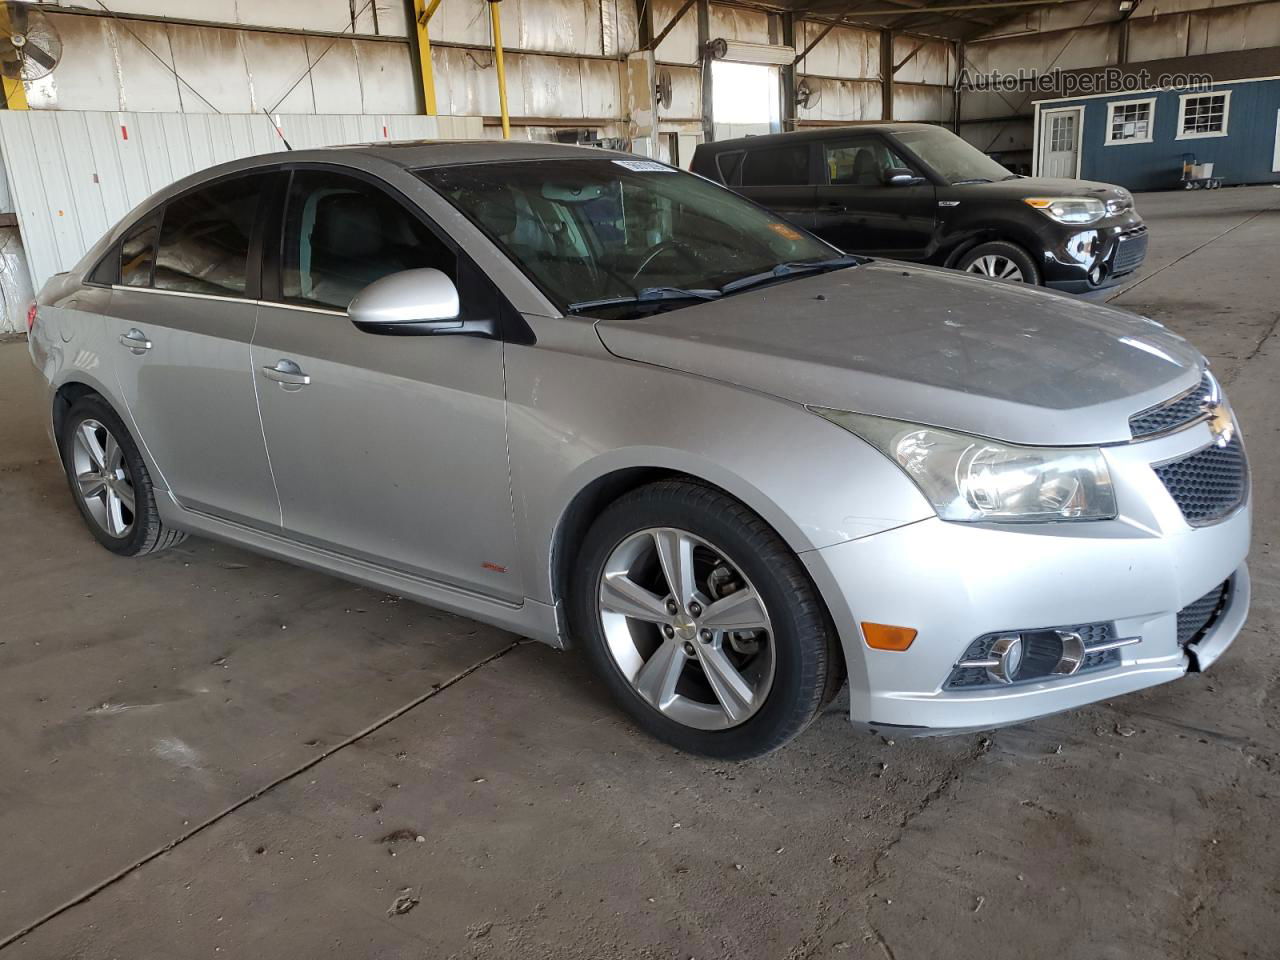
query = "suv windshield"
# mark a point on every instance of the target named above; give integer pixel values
(953, 158)
(594, 232)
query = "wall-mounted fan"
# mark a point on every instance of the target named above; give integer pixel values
(806, 96)
(30, 48)
(662, 88)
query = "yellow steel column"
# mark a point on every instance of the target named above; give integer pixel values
(15, 96)
(422, 12)
(496, 19)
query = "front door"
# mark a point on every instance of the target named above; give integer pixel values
(1060, 142)
(181, 317)
(859, 212)
(386, 449)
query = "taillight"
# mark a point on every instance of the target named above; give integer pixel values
(31, 316)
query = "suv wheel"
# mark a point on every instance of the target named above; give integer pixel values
(702, 622)
(1000, 261)
(109, 481)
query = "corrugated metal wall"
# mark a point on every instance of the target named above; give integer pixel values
(73, 174)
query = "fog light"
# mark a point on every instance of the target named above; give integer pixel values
(1096, 274)
(1006, 658)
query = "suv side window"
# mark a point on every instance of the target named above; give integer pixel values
(341, 234)
(729, 164)
(861, 161)
(786, 165)
(138, 252)
(204, 238)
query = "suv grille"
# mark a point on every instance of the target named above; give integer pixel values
(1195, 619)
(1131, 250)
(1174, 413)
(1208, 484)
(969, 678)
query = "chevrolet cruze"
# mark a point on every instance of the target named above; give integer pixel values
(604, 403)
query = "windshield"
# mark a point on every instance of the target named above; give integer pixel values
(954, 159)
(607, 229)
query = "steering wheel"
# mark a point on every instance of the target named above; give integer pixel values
(670, 245)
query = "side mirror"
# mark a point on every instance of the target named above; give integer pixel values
(413, 302)
(900, 177)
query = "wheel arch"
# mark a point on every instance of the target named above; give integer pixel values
(66, 396)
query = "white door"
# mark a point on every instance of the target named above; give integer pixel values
(1275, 156)
(1060, 142)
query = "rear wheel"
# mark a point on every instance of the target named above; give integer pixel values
(1000, 261)
(110, 482)
(702, 622)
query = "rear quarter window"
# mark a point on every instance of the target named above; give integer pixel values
(729, 165)
(786, 165)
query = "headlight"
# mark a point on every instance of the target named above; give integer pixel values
(1068, 209)
(970, 478)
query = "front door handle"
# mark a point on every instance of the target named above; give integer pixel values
(288, 374)
(136, 341)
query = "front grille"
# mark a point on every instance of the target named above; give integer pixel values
(969, 678)
(1197, 617)
(1208, 484)
(1174, 413)
(1131, 250)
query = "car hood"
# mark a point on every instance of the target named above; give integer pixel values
(1044, 187)
(929, 346)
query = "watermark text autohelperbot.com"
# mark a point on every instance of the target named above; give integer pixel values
(1107, 80)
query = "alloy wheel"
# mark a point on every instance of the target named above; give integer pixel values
(997, 267)
(102, 478)
(686, 628)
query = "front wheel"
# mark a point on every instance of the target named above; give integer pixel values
(702, 622)
(1000, 261)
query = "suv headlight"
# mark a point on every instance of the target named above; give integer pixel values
(969, 478)
(1068, 209)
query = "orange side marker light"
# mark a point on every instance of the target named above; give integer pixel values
(882, 636)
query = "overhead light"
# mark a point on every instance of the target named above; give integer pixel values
(740, 51)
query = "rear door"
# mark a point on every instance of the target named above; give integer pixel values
(386, 449)
(182, 313)
(778, 177)
(860, 213)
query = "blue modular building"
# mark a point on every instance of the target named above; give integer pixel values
(1140, 139)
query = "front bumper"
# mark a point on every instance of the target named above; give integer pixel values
(1095, 258)
(954, 582)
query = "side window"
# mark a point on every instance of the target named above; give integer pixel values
(138, 253)
(204, 239)
(107, 271)
(729, 164)
(341, 234)
(777, 166)
(860, 162)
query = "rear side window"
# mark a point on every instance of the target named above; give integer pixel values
(138, 253)
(729, 165)
(204, 239)
(341, 234)
(777, 166)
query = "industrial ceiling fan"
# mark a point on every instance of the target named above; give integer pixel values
(29, 46)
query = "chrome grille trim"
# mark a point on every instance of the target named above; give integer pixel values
(1186, 409)
(1101, 647)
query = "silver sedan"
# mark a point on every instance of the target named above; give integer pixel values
(604, 403)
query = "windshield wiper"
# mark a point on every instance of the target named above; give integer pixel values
(956, 183)
(787, 270)
(1012, 176)
(647, 295)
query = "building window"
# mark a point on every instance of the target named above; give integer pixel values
(1203, 115)
(1130, 121)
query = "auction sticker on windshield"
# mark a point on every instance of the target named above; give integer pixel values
(645, 166)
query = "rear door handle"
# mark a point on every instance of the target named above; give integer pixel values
(286, 373)
(136, 341)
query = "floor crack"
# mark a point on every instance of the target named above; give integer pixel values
(400, 711)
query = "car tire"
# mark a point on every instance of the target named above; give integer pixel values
(109, 481)
(804, 654)
(995, 259)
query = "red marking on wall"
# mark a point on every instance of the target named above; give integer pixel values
(384, 131)
(495, 567)
(124, 132)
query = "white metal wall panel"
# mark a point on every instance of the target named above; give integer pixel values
(277, 69)
(737, 23)
(73, 174)
(681, 44)
(933, 63)
(148, 84)
(328, 15)
(842, 100)
(845, 52)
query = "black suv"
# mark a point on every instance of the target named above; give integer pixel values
(912, 191)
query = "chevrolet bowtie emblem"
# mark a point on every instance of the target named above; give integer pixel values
(1221, 424)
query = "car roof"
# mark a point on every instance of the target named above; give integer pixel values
(810, 133)
(416, 154)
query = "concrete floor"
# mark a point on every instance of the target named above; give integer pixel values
(205, 752)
